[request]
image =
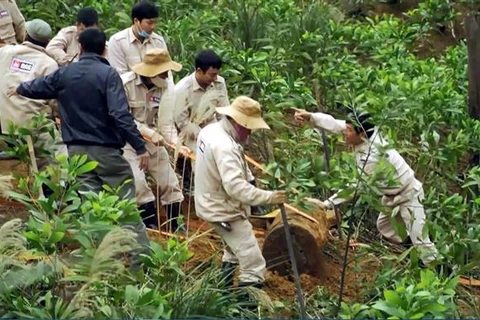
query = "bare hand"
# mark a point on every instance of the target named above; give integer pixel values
(279, 197)
(143, 161)
(185, 151)
(12, 92)
(302, 115)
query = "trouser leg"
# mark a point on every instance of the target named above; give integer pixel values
(413, 215)
(243, 245)
(184, 166)
(114, 170)
(385, 227)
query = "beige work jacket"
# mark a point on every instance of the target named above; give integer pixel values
(23, 62)
(222, 188)
(146, 106)
(188, 116)
(125, 50)
(12, 23)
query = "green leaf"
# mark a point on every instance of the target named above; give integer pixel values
(57, 236)
(131, 295)
(87, 167)
(388, 309)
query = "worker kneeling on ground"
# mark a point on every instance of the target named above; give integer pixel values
(147, 91)
(223, 193)
(407, 195)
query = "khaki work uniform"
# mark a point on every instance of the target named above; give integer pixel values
(144, 105)
(125, 50)
(223, 194)
(407, 196)
(65, 46)
(12, 23)
(189, 94)
(25, 62)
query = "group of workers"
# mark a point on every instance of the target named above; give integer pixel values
(118, 104)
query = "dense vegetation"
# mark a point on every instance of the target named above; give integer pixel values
(308, 54)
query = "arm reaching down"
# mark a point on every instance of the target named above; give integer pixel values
(234, 182)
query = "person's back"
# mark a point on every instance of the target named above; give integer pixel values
(24, 62)
(12, 23)
(83, 97)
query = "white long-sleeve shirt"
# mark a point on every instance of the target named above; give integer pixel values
(222, 178)
(368, 156)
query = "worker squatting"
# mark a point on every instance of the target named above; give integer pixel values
(118, 104)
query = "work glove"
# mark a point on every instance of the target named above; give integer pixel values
(152, 135)
(324, 205)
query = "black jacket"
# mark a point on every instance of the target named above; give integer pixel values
(92, 102)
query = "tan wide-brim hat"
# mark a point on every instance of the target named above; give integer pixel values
(157, 61)
(246, 112)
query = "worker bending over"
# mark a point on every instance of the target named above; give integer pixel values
(147, 91)
(191, 111)
(12, 23)
(223, 192)
(25, 62)
(407, 194)
(64, 47)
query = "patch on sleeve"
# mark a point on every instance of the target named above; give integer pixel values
(4, 13)
(21, 65)
(201, 147)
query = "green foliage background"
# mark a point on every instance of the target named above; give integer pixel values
(310, 54)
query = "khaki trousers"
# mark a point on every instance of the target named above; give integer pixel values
(412, 214)
(242, 248)
(161, 170)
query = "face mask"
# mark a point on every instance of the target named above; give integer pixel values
(159, 82)
(142, 33)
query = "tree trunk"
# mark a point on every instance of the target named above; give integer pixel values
(309, 239)
(472, 26)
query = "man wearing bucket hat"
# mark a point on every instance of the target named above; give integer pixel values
(25, 62)
(151, 98)
(12, 23)
(223, 193)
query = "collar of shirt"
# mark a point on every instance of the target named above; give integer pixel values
(375, 140)
(197, 86)
(132, 38)
(34, 46)
(93, 56)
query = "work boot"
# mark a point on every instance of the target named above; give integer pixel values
(149, 214)
(246, 300)
(173, 211)
(228, 271)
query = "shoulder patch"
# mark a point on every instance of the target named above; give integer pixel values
(201, 147)
(127, 77)
(21, 65)
(4, 14)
